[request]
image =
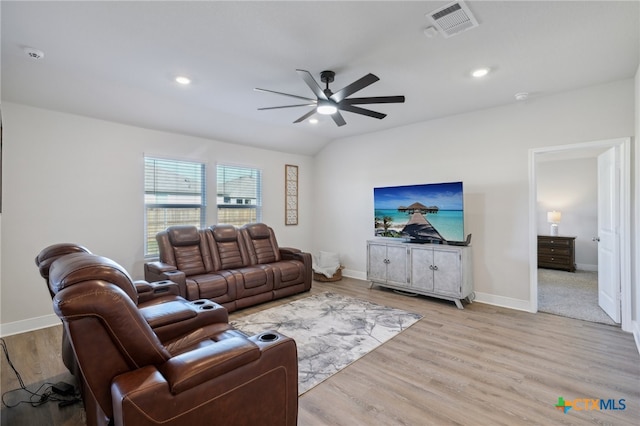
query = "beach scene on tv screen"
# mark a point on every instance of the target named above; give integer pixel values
(427, 212)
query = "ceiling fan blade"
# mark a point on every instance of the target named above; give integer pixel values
(338, 119)
(354, 87)
(373, 100)
(307, 115)
(363, 111)
(284, 94)
(312, 83)
(287, 106)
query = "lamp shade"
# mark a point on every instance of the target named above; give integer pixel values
(554, 217)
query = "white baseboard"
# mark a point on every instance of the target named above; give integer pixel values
(505, 302)
(30, 324)
(587, 267)
(358, 275)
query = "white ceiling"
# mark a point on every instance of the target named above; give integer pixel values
(117, 60)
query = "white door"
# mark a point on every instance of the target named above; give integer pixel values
(608, 238)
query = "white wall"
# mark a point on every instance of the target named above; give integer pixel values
(571, 187)
(74, 179)
(488, 151)
(71, 178)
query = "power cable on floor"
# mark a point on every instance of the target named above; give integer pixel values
(40, 396)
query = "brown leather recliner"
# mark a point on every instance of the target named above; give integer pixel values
(291, 268)
(253, 282)
(44, 259)
(167, 313)
(211, 375)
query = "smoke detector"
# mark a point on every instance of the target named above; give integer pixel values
(453, 19)
(33, 53)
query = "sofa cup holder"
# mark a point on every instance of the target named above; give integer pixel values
(268, 337)
(204, 304)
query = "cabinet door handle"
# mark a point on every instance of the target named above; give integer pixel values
(435, 268)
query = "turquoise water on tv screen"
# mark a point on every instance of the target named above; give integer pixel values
(449, 223)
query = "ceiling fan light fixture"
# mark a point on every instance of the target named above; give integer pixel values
(326, 108)
(332, 104)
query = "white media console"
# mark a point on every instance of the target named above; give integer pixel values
(436, 270)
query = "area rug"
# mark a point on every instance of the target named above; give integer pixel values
(331, 331)
(571, 294)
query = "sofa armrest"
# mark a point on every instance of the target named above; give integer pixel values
(175, 318)
(159, 267)
(288, 253)
(159, 271)
(148, 291)
(195, 367)
(289, 250)
(294, 254)
(143, 396)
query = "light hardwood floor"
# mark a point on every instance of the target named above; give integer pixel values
(483, 365)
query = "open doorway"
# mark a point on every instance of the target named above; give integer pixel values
(564, 180)
(567, 228)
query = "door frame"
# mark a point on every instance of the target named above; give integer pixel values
(623, 210)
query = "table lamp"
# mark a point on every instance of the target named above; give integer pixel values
(554, 218)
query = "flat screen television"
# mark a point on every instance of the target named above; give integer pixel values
(426, 213)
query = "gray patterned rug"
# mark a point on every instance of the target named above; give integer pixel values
(330, 330)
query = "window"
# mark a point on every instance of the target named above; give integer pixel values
(239, 195)
(174, 194)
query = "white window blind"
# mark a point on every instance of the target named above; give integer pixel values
(239, 195)
(174, 194)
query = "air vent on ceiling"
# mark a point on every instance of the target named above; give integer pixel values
(453, 19)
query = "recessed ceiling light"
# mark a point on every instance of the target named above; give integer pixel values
(183, 80)
(313, 120)
(480, 72)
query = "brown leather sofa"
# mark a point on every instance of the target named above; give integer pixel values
(235, 267)
(172, 363)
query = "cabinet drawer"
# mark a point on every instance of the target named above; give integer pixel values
(554, 251)
(559, 260)
(554, 242)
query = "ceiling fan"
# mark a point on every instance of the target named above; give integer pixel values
(329, 103)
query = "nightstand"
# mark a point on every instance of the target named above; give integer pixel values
(557, 253)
